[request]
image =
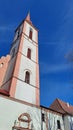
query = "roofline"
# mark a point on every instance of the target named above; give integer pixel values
(66, 113)
(28, 23)
(51, 109)
(60, 104)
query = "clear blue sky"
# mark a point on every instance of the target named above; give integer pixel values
(54, 19)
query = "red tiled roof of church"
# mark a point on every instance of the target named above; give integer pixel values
(62, 107)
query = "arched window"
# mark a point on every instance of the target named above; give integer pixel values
(29, 53)
(30, 34)
(27, 77)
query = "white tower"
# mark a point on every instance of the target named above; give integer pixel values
(22, 76)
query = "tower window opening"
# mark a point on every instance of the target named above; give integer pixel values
(30, 34)
(58, 124)
(27, 77)
(43, 117)
(29, 53)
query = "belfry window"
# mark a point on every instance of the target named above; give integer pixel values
(29, 53)
(27, 77)
(58, 124)
(30, 33)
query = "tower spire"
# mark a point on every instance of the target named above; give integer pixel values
(28, 17)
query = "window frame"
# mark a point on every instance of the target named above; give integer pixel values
(30, 33)
(29, 53)
(58, 124)
(27, 77)
(43, 117)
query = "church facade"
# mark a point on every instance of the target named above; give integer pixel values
(20, 107)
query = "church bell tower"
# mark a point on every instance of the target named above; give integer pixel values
(22, 77)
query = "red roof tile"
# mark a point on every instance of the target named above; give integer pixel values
(62, 107)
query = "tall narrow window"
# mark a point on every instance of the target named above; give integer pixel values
(58, 124)
(43, 117)
(29, 53)
(27, 77)
(30, 34)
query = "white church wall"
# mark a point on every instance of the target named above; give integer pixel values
(45, 122)
(11, 110)
(25, 92)
(27, 65)
(53, 117)
(71, 122)
(68, 122)
(27, 43)
(50, 120)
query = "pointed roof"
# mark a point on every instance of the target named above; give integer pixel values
(62, 107)
(28, 18)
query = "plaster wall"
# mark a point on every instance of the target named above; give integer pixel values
(68, 121)
(25, 92)
(27, 43)
(11, 109)
(53, 117)
(27, 64)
